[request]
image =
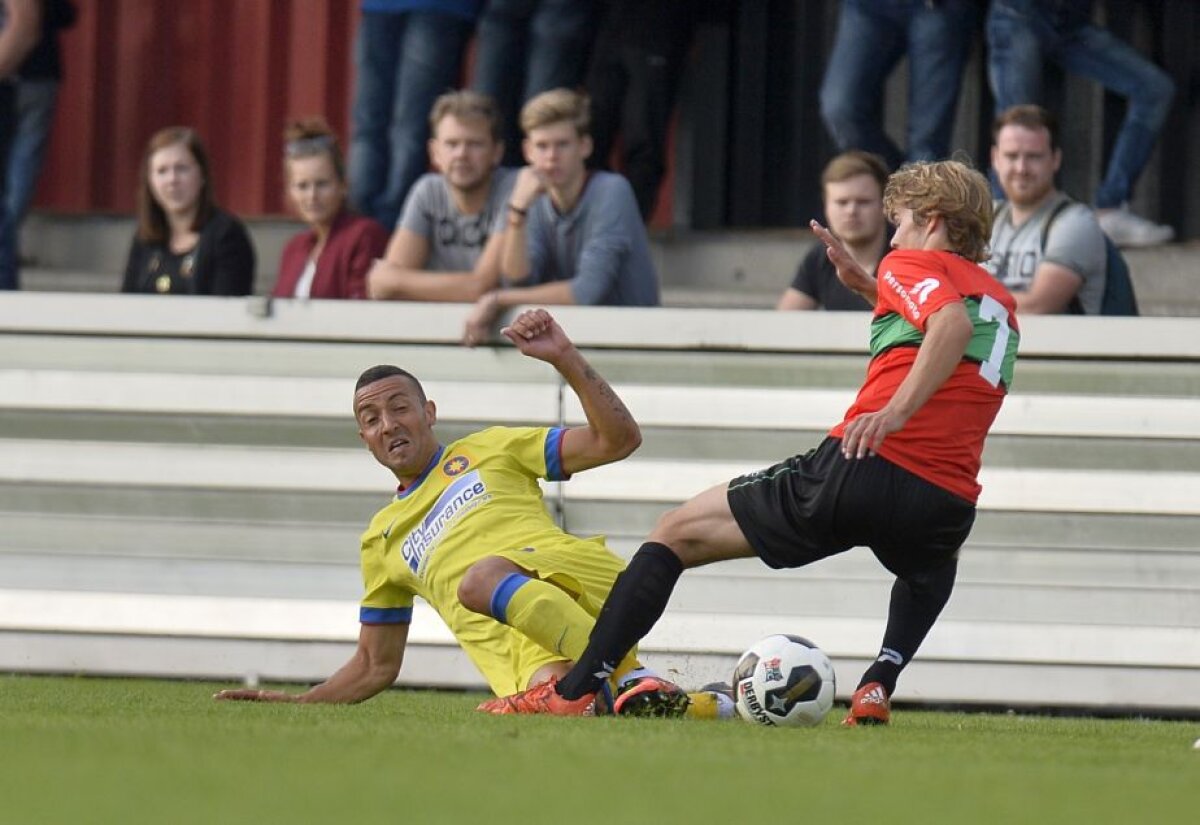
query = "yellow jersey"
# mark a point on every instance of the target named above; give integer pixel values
(478, 497)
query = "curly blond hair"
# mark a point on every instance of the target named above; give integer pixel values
(951, 189)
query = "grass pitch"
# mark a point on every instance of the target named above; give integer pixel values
(76, 750)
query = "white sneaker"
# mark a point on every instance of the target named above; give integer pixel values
(1127, 229)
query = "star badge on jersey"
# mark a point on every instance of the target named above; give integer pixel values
(455, 466)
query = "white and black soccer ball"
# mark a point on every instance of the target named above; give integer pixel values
(784, 680)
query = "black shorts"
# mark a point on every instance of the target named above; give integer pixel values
(819, 504)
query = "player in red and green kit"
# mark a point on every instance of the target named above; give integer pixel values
(897, 475)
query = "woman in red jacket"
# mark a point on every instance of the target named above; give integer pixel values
(330, 259)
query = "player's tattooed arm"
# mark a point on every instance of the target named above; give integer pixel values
(611, 432)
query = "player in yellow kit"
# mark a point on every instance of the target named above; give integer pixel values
(469, 533)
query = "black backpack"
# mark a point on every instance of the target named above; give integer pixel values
(1119, 297)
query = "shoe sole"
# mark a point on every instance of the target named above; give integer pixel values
(655, 704)
(864, 722)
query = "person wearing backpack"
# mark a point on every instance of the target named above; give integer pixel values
(1048, 250)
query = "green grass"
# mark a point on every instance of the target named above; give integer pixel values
(132, 751)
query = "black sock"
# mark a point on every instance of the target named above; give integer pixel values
(917, 600)
(638, 598)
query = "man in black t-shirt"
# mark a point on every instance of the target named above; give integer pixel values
(852, 190)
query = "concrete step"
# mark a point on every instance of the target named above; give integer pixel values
(732, 268)
(821, 590)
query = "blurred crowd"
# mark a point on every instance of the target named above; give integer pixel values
(526, 173)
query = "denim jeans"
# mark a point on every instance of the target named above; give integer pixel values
(872, 36)
(525, 47)
(403, 62)
(9, 274)
(35, 116)
(634, 82)
(1022, 34)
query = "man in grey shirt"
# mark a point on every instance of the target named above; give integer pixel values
(443, 248)
(1046, 249)
(570, 237)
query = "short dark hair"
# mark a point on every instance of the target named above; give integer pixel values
(1028, 116)
(382, 371)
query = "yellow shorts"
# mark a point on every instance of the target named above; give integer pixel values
(584, 568)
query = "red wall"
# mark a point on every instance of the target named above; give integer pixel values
(235, 70)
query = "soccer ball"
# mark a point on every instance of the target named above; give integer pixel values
(784, 680)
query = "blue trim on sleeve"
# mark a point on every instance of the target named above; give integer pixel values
(385, 615)
(553, 449)
(503, 594)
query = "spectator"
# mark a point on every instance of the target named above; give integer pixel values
(330, 259)
(1022, 34)
(20, 27)
(526, 47)
(574, 237)
(852, 190)
(444, 249)
(185, 244)
(1046, 249)
(408, 52)
(872, 36)
(37, 85)
(633, 83)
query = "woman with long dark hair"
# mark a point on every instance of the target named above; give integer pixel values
(185, 244)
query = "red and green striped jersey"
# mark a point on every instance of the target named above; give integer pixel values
(943, 441)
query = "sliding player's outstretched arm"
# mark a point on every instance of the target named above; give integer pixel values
(371, 670)
(611, 432)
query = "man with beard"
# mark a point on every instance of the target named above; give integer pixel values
(1047, 249)
(443, 248)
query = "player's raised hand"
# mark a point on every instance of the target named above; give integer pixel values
(849, 272)
(536, 334)
(254, 695)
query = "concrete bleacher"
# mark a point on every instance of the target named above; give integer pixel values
(734, 268)
(181, 491)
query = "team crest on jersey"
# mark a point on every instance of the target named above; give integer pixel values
(456, 465)
(771, 670)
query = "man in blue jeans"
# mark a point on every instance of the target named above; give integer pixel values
(1023, 34)
(408, 52)
(526, 47)
(20, 27)
(872, 36)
